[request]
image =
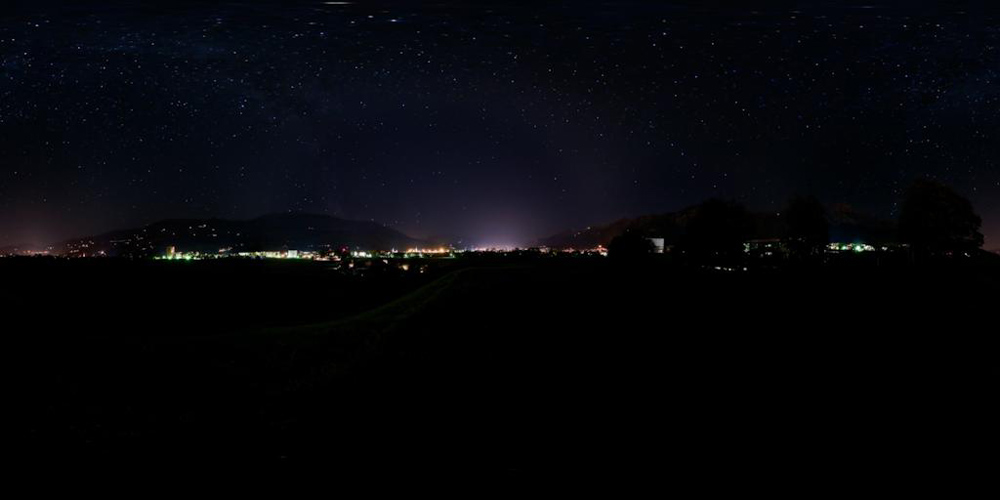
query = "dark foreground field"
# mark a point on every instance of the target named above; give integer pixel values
(518, 367)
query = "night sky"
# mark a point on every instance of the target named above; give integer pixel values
(490, 122)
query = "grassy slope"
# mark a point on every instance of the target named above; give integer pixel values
(510, 366)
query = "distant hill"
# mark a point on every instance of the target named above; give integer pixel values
(297, 231)
(846, 225)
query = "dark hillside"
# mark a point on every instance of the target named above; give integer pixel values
(542, 364)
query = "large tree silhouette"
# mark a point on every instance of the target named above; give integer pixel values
(716, 232)
(936, 220)
(630, 245)
(807, 226)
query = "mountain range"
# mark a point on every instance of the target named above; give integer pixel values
(298, 231)
(303, 231)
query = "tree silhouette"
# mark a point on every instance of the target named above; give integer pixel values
(716, 232)
(630, 245)
(936, 220)
(808, 230)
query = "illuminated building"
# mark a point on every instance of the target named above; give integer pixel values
(658, 244)
(765, 247)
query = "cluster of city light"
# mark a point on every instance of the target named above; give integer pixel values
(603, 252)
(852, 247)
(493, 249)
(425, 252)
(27, 253)
(411, 253)
(172, 254)
(284, 254)
(181, 256)
(430, 251)
(598, 250)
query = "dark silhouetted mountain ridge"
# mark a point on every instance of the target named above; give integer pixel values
(300, 231)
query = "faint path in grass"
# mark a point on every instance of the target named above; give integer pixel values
(309, 357)
(313, 356)
(381, 318)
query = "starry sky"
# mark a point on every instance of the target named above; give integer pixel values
(486, 122)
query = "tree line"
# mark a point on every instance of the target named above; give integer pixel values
(934, 221)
